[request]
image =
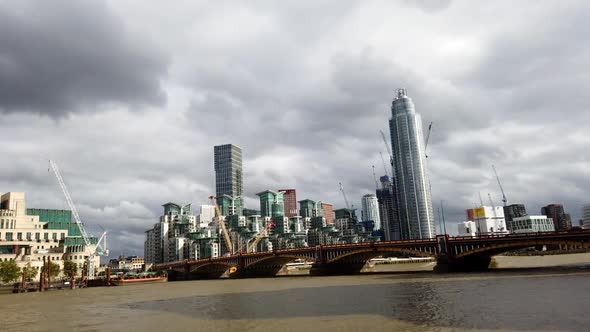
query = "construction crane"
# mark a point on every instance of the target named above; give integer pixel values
(427, 139)
(101, 249)
(500, 184)
(387, 147)
(259, 236)
(384, 165)
(221, 221)
(375, 178)
(345, 200)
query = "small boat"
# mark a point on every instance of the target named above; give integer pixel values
(138, 281)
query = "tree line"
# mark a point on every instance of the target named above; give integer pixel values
(10, 272)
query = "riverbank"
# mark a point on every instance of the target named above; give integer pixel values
(515, 262)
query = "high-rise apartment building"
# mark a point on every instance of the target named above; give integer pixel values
(228, 174)
(307, 208)
(328, 212)
(513, 211)
(290, 202)
(388, 210)
(561, 220)
(370, 210)
(410, 174)
(271, 203)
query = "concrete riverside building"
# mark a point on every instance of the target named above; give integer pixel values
(530, 224)
(410, 174)
(29, 235)
(487, 220)
(228, 174)
(370, 210)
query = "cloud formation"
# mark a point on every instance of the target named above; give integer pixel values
(149, 89)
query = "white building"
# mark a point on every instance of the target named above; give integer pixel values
(489, 220)
(466, 228)
(586, 216)
(370, 210)
(530, 224)
(27, 240)
(206, 215)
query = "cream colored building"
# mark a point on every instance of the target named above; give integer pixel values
(25, 239)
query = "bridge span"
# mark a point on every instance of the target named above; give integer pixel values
(451, 254)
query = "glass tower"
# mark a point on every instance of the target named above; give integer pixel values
(228, 174)
(409, 168)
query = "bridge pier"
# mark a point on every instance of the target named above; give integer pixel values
(445, 264)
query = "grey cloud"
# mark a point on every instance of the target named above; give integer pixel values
(71, 56)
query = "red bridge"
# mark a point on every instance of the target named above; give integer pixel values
(451, 253)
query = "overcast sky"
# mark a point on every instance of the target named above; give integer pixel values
(129, 97)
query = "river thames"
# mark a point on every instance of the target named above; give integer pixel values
(529, 300)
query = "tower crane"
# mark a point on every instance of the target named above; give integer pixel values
(221, 221)
(384, 165)
(427, 139)
(500, 184)
(375, 178)
(101, 249)
(387, 147)
(345, 200)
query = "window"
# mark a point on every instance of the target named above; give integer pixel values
(28, 236)
(62, 236)
(46, 236)
(19, 236)
(37, 236)
(8, 236)
(54, 236)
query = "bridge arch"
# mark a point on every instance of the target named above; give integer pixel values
(498, 248)
(367, 254)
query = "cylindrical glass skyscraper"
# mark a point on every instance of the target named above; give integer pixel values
(409, 168)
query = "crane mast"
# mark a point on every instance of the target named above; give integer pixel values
(345, 200)
(101, 250)
(384, 165)
(259, 237)
(375, 178)
(387, 147)
(221, 222)
(427, 139)
(500, 184)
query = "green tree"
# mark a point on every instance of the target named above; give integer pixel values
(9, 271)
(53, 270)
(70, 268)
(29, 272)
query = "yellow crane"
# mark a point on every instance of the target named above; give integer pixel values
(221, 221)
(259, 237)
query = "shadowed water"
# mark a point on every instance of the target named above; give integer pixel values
(547, 300)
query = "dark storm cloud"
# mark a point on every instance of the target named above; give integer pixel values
(304, 90)
(58, 57)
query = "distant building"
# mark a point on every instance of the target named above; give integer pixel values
(328, 212)
(410, 172)
(388, 210)
(466, 228)
(271, 203)
(290, 202)
(562, 220)
(470, 214)
(250, 212)
(586, 216)
(307, 208)
(530, 224)
(228, 173)
(370, 210)
(513, 211)
(490, 220)
(28, 236)
(130, 263)
(206, 215)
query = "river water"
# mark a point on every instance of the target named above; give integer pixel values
(537, 300)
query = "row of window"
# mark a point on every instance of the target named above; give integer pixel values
(9, 236)
(7, 223)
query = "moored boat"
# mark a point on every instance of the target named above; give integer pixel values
(138, 281)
